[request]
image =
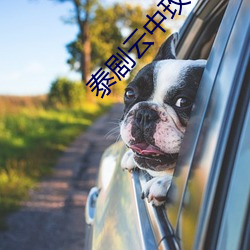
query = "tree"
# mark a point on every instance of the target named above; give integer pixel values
(83, 16)
(101, 31)
(107, 33)
(105, 37)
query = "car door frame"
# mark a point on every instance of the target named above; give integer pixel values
(210, 109)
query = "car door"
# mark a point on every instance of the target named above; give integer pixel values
(207, 184)
(122, 220)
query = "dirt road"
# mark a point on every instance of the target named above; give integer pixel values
(53, 218)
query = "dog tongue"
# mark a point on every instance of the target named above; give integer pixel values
(145, 149)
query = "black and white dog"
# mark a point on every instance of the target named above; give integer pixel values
(158, 103)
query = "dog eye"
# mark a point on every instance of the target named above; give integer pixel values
(130, 94)
(182, 102)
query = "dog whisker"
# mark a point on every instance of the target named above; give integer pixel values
(113, 129)
(111, 134)
(118, 138)
(115, 121)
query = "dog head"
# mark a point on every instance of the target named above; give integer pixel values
(158, 103)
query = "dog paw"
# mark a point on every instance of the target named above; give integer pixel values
(127, 162)
(156, 189)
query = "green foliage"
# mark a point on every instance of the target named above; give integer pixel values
(108, 30)
(112, 26)
(107, 26)
(135, 17)
(31, 139)
(105, 34)
(66, 93)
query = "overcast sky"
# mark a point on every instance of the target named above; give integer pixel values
(32, 45)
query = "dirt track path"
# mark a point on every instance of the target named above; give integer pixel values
(53, 218)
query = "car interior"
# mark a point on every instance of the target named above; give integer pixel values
(203, 25)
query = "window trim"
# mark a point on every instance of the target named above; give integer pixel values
(194, 131)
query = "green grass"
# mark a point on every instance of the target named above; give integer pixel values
(31, 139)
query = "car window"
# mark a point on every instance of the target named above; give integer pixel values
(208, 130)
(195, 44)
(164, 222)
(198, 33)
(192, 132)
(235, 211)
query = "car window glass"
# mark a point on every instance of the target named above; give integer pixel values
(224, 72)
(184, 216)
(236, 207)
(187, 150)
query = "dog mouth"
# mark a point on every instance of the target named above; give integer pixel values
(149, 152)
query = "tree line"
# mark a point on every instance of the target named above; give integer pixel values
(101, 29)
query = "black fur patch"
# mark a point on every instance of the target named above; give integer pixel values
(187, 89)
(142, 85)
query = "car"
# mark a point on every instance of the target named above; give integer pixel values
(208, 202)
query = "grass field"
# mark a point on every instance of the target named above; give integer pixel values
(31, 138)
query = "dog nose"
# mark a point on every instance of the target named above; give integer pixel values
(144, 118)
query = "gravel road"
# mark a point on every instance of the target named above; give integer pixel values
(53, 218)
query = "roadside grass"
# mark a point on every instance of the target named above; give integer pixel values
(31, 139)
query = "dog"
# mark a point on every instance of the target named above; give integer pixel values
(158, 102)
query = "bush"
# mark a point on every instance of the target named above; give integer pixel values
(31, 139)
(66, 93)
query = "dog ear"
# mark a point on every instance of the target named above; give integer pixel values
(167, 49)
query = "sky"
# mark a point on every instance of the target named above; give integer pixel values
(32, 45)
